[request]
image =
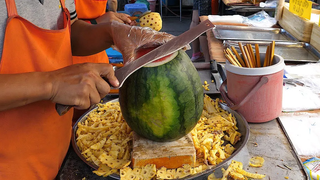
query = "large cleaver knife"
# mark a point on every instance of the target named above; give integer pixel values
(170, 47)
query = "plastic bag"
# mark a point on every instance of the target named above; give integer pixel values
(226, 18)
(260, 19)
(312, 166)
(269, 4)
(127, 39)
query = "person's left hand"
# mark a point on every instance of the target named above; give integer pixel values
(127, 39)
(114, 16)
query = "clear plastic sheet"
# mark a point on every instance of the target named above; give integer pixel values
(260, 19)
(301, 90)
(127, 39)
(303, 131)
(312, 166)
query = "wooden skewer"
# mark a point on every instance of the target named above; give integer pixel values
(246, 47)
(266, 58)
(230, 53)
(271, 52)
(244, 55)
(248, 56)
(250, 49)
(238, 63)
(238, 56)
(233, 57)
(257, 55)
(230, 59)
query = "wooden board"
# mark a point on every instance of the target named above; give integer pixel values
(315, 37)
(215, 46)
(299, 27)
(163, 154)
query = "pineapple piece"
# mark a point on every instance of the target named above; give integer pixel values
(152, 20)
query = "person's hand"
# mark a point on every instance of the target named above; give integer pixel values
(114, 16)
(81, 85)
(129, 38)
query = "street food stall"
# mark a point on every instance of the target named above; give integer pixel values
(273, 141)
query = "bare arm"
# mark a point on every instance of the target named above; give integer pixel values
(112, 5)
(88, 39)
(21, 89)
(80, 85)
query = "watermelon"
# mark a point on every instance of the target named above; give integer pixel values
(163, 101)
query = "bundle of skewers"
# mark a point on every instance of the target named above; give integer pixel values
(249, 59)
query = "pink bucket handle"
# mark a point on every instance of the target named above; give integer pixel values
(263, 80)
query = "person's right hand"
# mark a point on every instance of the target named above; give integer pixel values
(81, 85)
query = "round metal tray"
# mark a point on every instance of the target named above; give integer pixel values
(241, 123)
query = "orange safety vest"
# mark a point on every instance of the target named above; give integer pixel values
(34, 138)
(91, 9)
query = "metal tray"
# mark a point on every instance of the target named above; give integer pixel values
(205, 75)
(224, 32)
(290, 51)
(241, 123)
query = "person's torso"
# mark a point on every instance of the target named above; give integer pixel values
(37, 138)
(46, 15)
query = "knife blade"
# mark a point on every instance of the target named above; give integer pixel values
(215, 74)
(168, 48)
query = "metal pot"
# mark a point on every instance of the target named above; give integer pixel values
(241, 123)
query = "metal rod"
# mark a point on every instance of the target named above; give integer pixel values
(180, 9)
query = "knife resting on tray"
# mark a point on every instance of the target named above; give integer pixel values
(215, 74)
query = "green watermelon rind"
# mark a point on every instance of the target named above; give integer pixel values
(163, 103)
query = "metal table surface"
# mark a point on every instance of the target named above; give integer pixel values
(244, 9)
(266, 139)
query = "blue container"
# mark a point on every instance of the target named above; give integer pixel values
(114, 56)
(124, 12)
(132, 9)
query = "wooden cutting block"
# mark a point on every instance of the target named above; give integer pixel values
(168, 154)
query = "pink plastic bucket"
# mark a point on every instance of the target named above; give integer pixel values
(256, 93)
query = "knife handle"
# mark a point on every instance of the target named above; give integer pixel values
(133, 18)
(62, 109)
(213, 66)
